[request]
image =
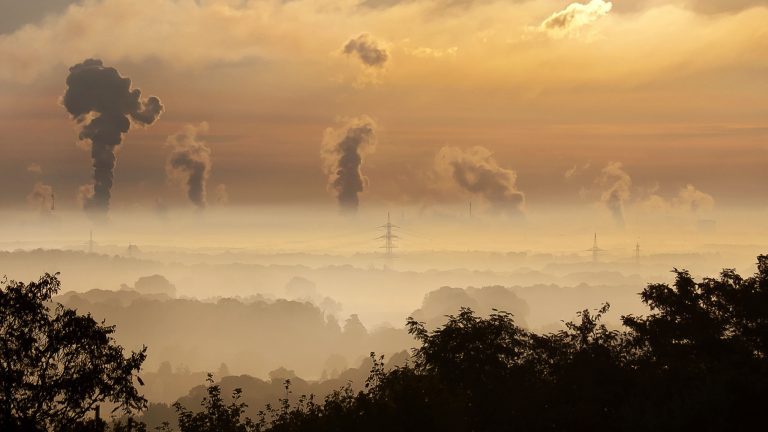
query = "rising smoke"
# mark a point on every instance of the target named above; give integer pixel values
(41, 197)
(342, 152)
(190, 162)
(476, 171)
(103, 104)
(367, 49)
(616, 184)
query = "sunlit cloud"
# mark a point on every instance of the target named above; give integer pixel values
(571, 20)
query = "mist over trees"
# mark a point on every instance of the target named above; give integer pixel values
(251, 335)
(696, 361)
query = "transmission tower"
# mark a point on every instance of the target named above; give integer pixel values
(595, 249)
(637, 253)
(90, 243)
(388, 237)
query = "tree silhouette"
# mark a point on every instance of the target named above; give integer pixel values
(697, 362)
(57, 366)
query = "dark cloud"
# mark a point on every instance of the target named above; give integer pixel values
(103, 103)
(190, 162)
(367, 49)
(342, 151)
(477, 172)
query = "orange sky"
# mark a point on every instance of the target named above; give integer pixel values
(675, 92)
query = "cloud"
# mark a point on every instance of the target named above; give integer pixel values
(342, 151)
(371, 52)
(688, 199)
(190, 162)
(476, 171)
(104, 105)
(35, 168)
(616, 184)
(574, 17)
(694, 200)
(424, 52)
(724, 6)
(576, 170)
(84, 194)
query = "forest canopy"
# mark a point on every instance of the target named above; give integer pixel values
(697, 360)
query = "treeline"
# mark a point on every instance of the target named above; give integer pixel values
(253, 336)
(696, 361)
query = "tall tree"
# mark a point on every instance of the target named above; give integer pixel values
(57, 366)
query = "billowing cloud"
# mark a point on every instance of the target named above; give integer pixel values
(84, 194)
(476, 171)
(104, 105)
(190, 162)
(41, 197)
(694, 200)
(342, 151)
(616, 184)
(688, 199)
(574, 17)
(371, 52)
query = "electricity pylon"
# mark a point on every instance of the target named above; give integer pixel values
(595, 249)
(388, 237)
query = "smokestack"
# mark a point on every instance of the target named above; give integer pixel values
(342, 152)
(104, 105)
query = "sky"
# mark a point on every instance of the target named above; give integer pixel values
(643, 106)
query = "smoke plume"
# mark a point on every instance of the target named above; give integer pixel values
(221, 195)
(616, 185)
(41, 197)
(190, 162)
(476, 171)
(367, 49)
(342, 151)
(104, 105)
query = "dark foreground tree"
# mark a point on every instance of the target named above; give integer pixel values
(56, 366)
(699, 361)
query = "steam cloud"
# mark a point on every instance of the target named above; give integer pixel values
(367, 49)
(342, 152)
(103, 103)
(41, 197)
(688, 199)
(190, 162)
(616, 185)
(477, 172)
(575, 16)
